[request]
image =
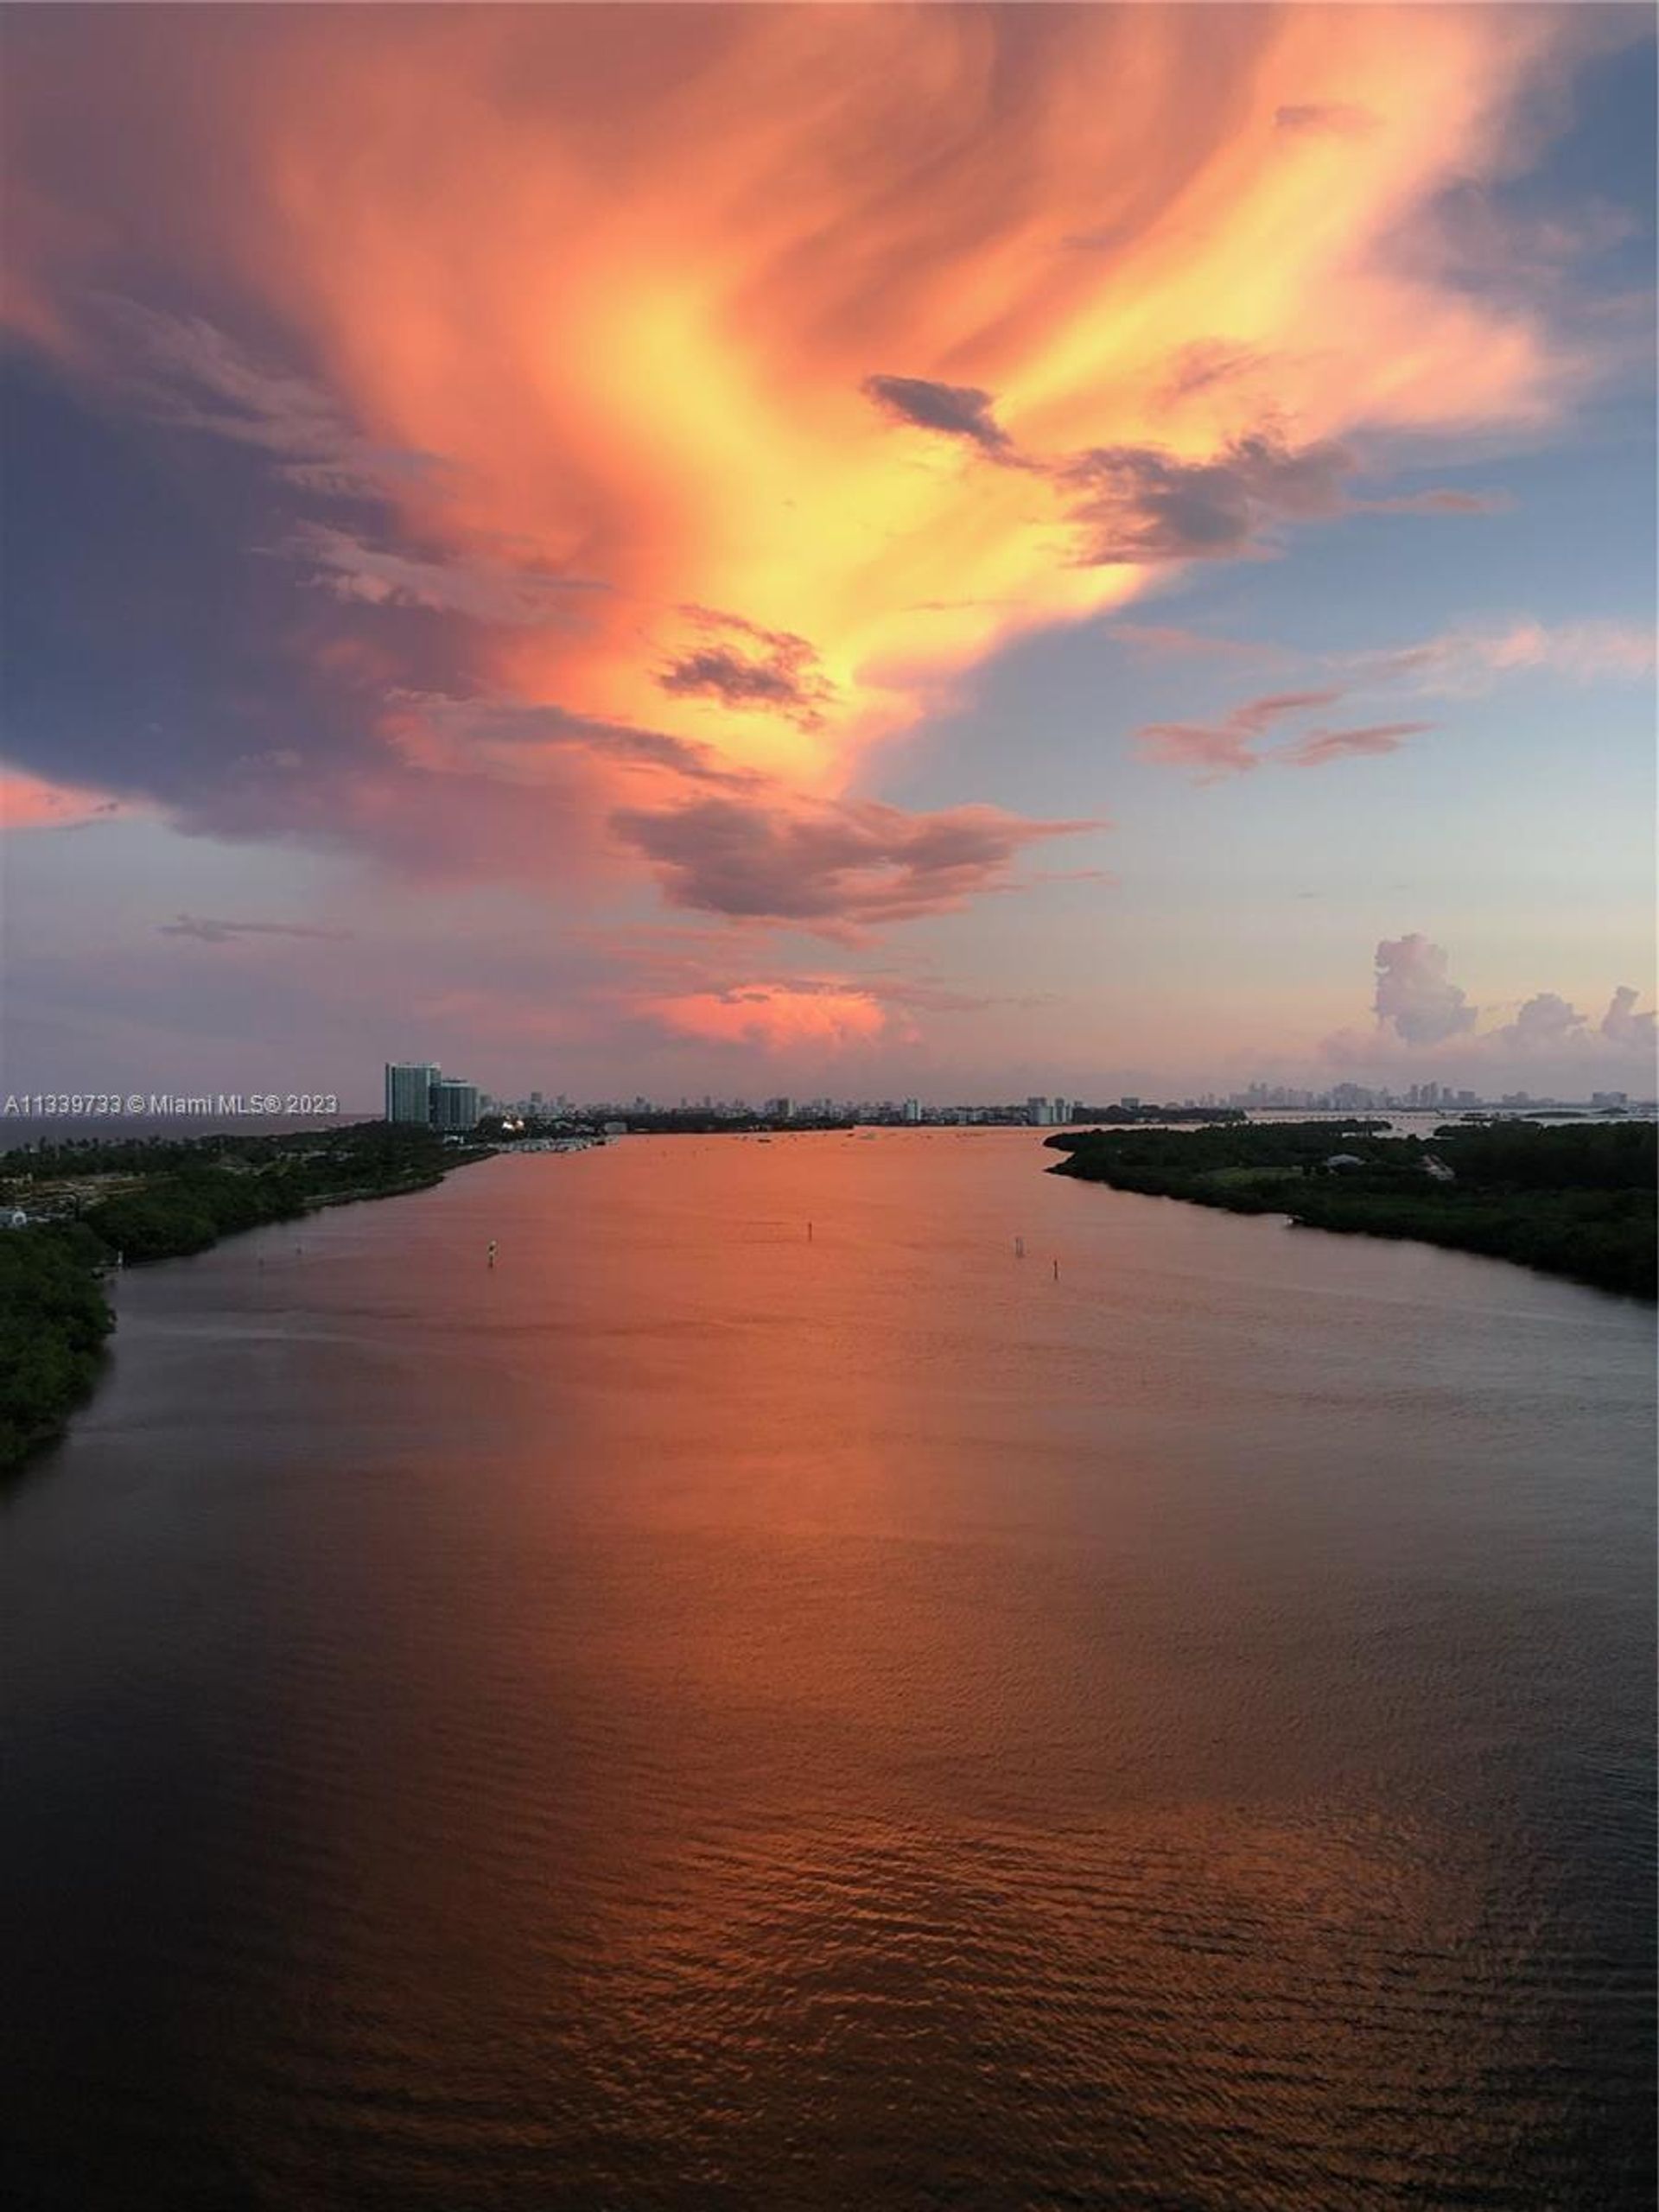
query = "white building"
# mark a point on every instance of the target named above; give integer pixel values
(410, 1086)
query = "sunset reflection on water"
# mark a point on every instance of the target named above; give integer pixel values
(702, 1715)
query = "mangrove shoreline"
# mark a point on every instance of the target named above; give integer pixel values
(1578, 1202)
(92, 1206)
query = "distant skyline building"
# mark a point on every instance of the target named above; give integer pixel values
(410, 1085)
(419, 1094)
(455, 1105)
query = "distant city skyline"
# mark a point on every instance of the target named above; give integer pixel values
(414, 1091)
(927, 580)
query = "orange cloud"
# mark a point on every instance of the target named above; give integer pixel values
(750, 381)
(780, 1016)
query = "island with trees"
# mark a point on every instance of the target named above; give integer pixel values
(1577, 1201)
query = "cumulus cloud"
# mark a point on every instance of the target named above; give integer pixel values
(1546, 1019)
(1546, 1042)
(1622, 1025)
(1415, 996)
(831, 865)
(956, 410)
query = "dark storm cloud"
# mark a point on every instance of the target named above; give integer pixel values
(956, 410)
(191, 375)
(150, 651)
(510, 595)
(155, 653)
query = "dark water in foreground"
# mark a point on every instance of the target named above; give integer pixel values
(697, 1717)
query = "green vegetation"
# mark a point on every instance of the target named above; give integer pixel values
(1128, 1117)
(1577, 1201)
(53, 1319)
(91, 1203)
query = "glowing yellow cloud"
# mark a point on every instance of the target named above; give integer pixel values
(627, 274)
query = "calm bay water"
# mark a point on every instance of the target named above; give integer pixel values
(699, 1716)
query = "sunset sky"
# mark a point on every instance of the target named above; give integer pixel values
(870, 550)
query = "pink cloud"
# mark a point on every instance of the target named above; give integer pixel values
(778, 1017)
(675, 329)
(831, 866)
(1321, 746)
(1228, 748)
(1468, 661)
(1415, 995)
(28, 801)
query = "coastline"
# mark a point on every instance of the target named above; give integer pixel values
(104, 1207)
(1575, 1202)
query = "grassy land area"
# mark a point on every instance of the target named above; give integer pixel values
(1577, 1201)
(92, 1203)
